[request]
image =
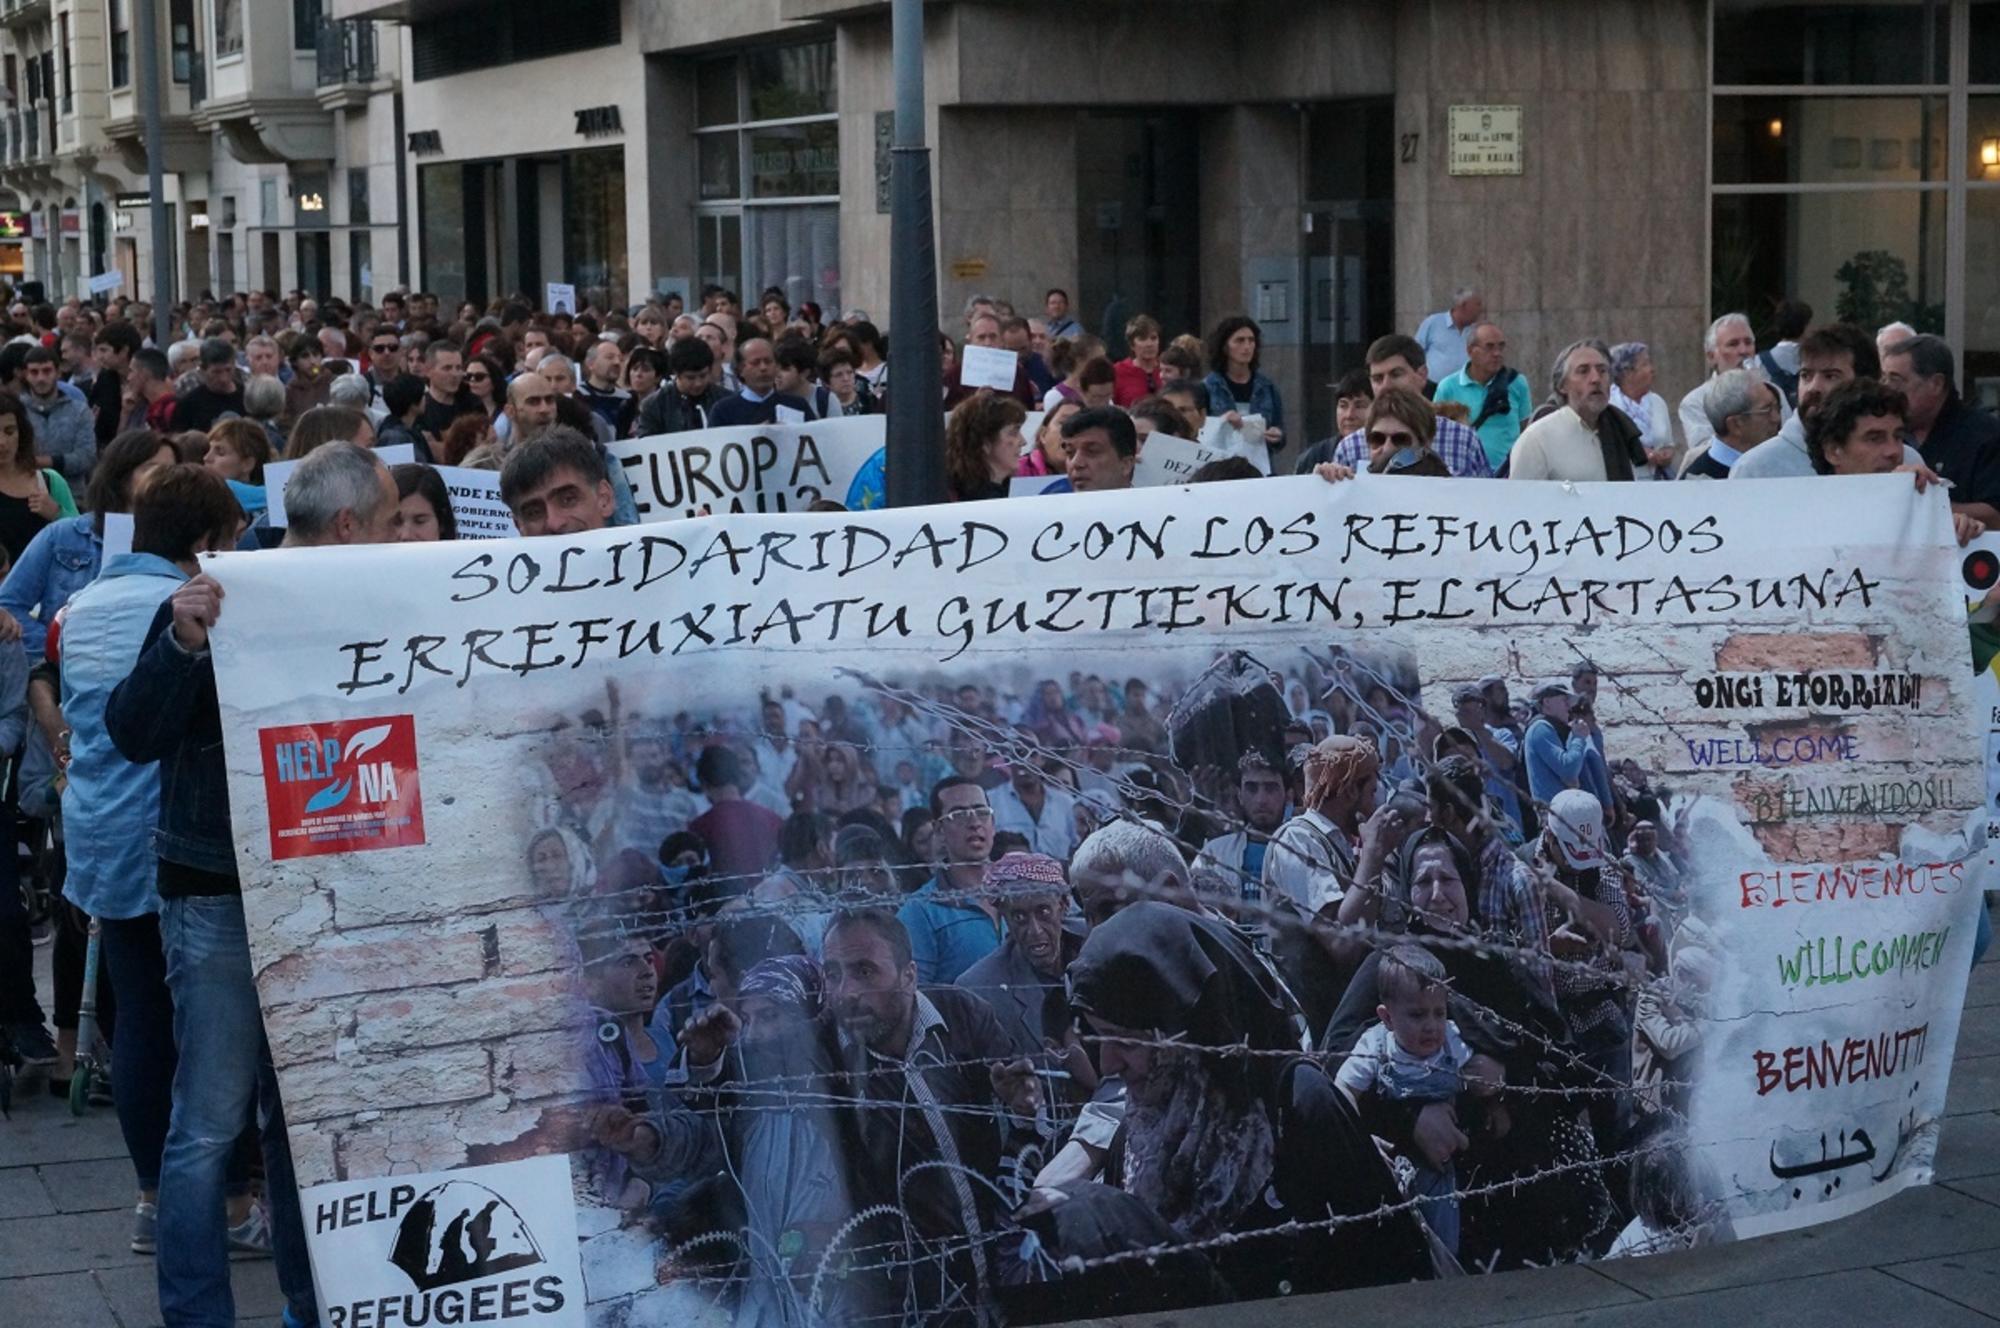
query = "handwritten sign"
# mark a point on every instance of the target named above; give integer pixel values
(104, 282)
(988, 366)
(1164, 459)
(277, 474)
(475, 503)
(751, 468)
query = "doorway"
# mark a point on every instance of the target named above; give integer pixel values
(274, 281)
(194, 249)
(315, 263)
(1138, 219)
(1349, 244)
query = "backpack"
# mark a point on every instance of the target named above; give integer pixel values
(1498, 391)
(1788, 383)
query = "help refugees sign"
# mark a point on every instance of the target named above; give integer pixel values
(1753, 674)
(493, 1244)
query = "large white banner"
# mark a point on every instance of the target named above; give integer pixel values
(478, 879)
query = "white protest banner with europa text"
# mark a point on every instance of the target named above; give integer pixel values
(447, 713)
(747, 468)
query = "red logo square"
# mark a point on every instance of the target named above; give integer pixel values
(342, 786)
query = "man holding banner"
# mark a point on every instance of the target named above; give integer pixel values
(557, 484)
(167, 711)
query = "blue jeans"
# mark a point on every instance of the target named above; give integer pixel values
(142, 1049)
(225, 1067)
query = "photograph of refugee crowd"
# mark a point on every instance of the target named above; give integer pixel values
(1016, 997)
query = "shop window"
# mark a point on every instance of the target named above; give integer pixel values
(767, 148)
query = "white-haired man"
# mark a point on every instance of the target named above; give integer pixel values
(1729, 344)
(1444, 334)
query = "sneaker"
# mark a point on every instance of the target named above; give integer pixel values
(33, 1044)
(145, 1228)
(251, 1238)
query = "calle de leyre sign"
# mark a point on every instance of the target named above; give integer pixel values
(1485, 140)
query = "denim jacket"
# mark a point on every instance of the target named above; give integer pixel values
(60, 560)
(1263, 399)
(165, 710)
(110, 805)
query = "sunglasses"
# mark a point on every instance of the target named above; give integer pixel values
(1381, 438)
(480, 377)
(386, 348)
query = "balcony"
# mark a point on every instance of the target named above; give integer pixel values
(31, 135)
(19, 13)
(346, 52)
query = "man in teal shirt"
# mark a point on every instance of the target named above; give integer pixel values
(1496, 395)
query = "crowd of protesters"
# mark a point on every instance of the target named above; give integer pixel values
(1005, 932)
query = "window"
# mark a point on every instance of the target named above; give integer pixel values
(504, 32)
(68, 79)
(228, 27)
(1831, 174)
(180, 37)
(307, 15)
(445, 220)
(594, 236)
(357, 196)
(119, 15)
(767, 150)
(1810, 43)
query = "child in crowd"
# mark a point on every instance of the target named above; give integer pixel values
(1415, 1054)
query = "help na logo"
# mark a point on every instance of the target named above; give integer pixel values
(342, 786)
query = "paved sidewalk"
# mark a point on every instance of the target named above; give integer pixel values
(1930, 1256)
(66, 1196)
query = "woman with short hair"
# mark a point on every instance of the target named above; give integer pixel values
(1138, 374)
(1632, 392)
(1400, 428)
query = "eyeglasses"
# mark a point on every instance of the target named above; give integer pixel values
(386, 348)
(966, 814)
(481, 377)
(1380, 438)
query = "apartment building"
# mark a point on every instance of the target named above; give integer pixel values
(278, 140)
